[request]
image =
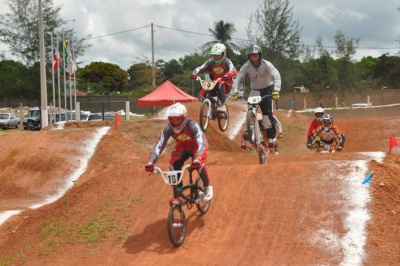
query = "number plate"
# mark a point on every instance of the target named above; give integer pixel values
(173, 177)
(254, 99)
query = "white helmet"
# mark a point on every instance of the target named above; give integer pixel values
(177, 110)
(319, 110)
(219, 49)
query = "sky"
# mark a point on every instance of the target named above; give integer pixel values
(121, 29)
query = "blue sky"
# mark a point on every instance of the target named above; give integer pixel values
(181, 26)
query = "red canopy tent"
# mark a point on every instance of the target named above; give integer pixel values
(166, 94)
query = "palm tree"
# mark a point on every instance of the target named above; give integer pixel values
(222, 33)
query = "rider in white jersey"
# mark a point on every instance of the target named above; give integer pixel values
(264, 80)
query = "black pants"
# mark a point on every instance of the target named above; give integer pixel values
(266, 108)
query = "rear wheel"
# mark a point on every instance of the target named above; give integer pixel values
(223, 119)
(176, 225)
(205, 114)
(202, 205)
(250, 126)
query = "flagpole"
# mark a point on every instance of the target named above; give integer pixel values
(73, 69)
(69, 72)
(65, 78)
(52, 76)
(58, 79)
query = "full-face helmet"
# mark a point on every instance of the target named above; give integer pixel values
(319, 113)
(254, 49)
(177, 117)
(218, 49)
(327, 122)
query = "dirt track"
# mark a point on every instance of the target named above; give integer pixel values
(301, 209)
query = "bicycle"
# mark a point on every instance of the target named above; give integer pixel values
(253, 128)
(208, 109)
(176, 221)
(325, 148)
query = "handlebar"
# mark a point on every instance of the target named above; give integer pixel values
(207, 85)
(171, 178)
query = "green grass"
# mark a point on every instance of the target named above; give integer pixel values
(110, 221)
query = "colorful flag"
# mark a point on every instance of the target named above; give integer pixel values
(393, 142)
(66, 54)
(56, 57)
(69, 62)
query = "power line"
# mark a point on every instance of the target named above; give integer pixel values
(115, 33)
(210, 35)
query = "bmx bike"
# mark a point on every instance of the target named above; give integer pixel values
(208, 109)
(324, 148)
(254, 133)
(187, 195)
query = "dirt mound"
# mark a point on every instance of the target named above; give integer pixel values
(295, 211)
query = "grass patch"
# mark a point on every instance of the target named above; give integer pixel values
(110, 220)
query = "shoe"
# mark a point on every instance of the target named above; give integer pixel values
(276, 150)
(243, 143)
(221, 108)
(208, 193)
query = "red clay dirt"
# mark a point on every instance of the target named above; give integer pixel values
(293, 211)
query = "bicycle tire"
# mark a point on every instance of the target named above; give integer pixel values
(262, 155)
(202, 205)
(250, 126)
(223, 120)
(176, 225)
(205, 114)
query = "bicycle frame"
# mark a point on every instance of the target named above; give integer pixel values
(253, 128)
(173, 178)
(209, 106)
(176, 221)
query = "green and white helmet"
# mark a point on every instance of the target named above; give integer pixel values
(219, 49)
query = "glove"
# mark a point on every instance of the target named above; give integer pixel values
(275, 95)
(149, 167)
(225, 78)
(309, 145)
(339, 148)
(280, 135)
(196, 163)
(193, 77)
(234, 96)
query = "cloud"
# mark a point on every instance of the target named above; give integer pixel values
(123, 27)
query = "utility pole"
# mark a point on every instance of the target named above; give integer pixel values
(152, 56)
(43, 89)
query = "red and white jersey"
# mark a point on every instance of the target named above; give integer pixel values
(191, 138)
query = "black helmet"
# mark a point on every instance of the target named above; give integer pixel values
(254, 49)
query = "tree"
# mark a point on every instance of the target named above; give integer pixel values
(345, 49)
(172, 68)
(12, 79)
(110, 76)
(22, 27)
(140, 75)
(222, 32)
(276, 29)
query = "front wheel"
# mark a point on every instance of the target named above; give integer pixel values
(262, 154)
(176, 225)
(202, 205)
(250, 126)
(223, 120)
(205, 114)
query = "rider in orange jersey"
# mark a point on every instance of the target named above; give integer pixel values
(329, 134)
